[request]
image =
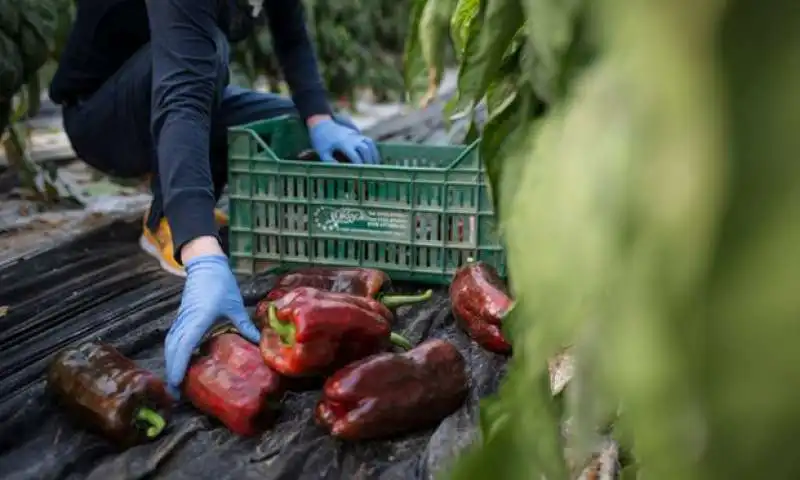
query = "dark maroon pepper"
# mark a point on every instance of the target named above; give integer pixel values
(388, 393)
(109, 394)
(364, 282)
(480, 303)
(313, 332)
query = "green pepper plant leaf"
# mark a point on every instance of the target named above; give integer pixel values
(643, 166)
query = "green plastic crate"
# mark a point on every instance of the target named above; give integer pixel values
(417, 216)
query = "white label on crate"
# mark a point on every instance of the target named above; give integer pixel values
(358, 220)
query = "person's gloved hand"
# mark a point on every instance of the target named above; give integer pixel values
(329, 136)
(210, 293)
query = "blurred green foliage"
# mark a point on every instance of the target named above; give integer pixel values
(29, 33)
(645, 171)
(359, 44)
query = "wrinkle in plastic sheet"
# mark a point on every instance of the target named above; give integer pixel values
(102, 286)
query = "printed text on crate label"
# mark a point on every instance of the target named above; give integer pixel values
(358, 220)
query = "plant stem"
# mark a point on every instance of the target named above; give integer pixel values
(285, 330)
(394, 301)
(400, 341)
(155, 422)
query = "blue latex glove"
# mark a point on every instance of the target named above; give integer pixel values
(329, 136)
(210, 293)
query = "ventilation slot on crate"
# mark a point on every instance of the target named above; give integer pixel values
(418, 216)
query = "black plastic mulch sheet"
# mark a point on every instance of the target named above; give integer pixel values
(103, 287)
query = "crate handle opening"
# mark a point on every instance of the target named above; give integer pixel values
(262, 147)
(464, 154)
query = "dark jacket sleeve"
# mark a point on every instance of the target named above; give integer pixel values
(237, 20)
(189, 60)
(296, 56)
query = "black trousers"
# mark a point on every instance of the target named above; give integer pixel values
(111, 130)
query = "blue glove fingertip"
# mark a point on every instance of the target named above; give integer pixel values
(327, 158)
(180, 363)
(364, 153)
(249, 331)
(174, 376)
(353, 155)
(173, 392)
(182, 348)
(241, 320)
(373, 149)
(170, 345)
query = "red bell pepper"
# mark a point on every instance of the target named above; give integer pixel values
(230, 382)
(387, 394)
(365, 282)
(480, 302)
(313, 332)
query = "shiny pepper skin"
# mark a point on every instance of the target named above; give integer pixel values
(364, 282)
(480, 302)
(104, 390)
(313, 332)
(231, 383)
(389, 394)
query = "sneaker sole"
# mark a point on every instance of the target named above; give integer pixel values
(151, 250)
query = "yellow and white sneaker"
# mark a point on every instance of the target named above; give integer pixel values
(158, 243)
(221, 218)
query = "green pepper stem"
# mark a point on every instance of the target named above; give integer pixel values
(155, 422)
(394, 301)
(400, 341)
(285, 330)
